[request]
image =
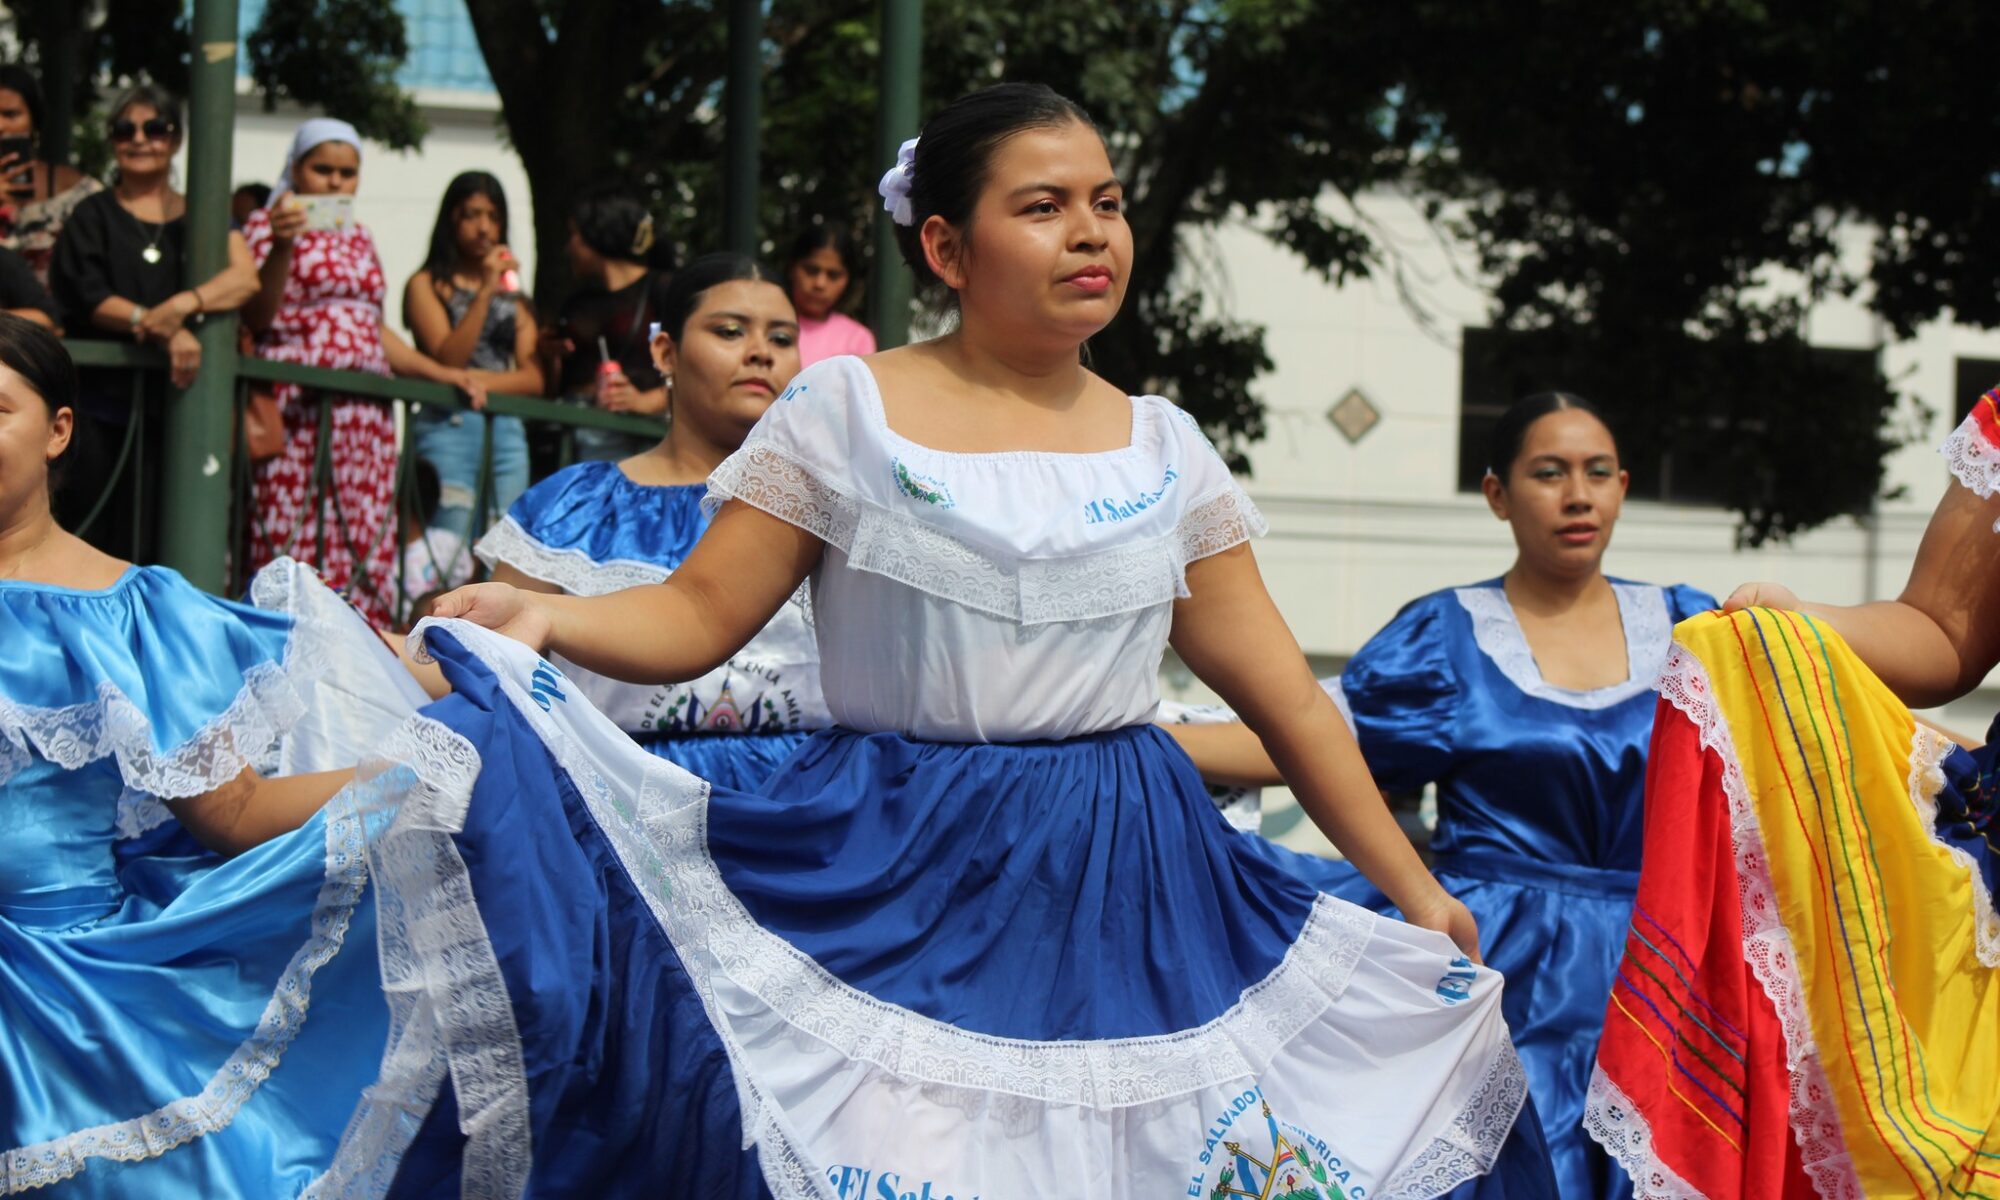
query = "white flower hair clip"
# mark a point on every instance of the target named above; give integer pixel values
(895, 185)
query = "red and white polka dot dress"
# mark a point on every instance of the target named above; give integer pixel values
(331, 317)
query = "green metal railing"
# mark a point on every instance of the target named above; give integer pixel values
(225, 534)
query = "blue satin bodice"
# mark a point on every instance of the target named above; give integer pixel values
(1448, 693)
(594, 510)
(109, 699)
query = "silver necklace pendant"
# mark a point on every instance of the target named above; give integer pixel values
(151, 254)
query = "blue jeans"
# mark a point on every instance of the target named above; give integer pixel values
(452, 443)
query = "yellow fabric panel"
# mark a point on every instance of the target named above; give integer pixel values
(1904, 1018)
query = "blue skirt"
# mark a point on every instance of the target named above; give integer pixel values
(740, 761)
(210, 1037)
(1556, 933)
(915, 969)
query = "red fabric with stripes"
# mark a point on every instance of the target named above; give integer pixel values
(1690, 914)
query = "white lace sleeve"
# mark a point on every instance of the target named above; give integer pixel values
(571, 570)
(1221, 514)
(1973, 460)
(1223, 520)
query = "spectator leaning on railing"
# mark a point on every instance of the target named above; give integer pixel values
(320, 304)
(119, 272)
(36, 195)
(466, 309)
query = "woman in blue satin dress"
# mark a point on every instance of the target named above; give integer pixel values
(175, 1022)
(1528, 701)
(727, 344)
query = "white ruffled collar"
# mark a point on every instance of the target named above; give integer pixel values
(1642, 610)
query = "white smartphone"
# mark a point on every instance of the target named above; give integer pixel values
(335, 212)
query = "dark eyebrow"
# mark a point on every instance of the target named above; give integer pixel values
(1559, 460)
(1061, 190)
(744, 319)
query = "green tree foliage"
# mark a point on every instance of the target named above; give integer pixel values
(1632, 178)
(337, 55)
(340, 56)
(1634, 175)
(1171, 83)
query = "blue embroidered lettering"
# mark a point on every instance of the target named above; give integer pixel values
(849, 1183)
(545, 685)
(1457, 982)
(1110, 508)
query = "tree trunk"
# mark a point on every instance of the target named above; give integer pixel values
(559, 95)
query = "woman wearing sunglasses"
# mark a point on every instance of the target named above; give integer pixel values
(119, 272)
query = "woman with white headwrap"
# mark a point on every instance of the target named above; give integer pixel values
(320, 304)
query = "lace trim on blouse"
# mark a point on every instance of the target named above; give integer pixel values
(271, 701)
(1642, 610)
(1974, 461)
(571, 570)
(1117, 579)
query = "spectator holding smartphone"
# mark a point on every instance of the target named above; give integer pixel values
(601, 348)
(466, 309)
(119, 272)
(36, 196)
(320, 304)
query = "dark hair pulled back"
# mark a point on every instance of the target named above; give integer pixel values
(1503, 445)
(955, 157)
(691, 282)
(38, 357)
(613, 221)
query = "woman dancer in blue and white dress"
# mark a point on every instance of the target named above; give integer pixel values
(1528, 700)
(174, 1022)
(727, 344)
(987, 937)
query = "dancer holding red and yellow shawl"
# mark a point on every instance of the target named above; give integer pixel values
(1809, 1001)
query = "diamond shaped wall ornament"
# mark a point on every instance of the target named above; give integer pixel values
(1354, 415)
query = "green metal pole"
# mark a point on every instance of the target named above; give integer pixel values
(62, 34)
(194, 518)
(897, 119)
(742, 105)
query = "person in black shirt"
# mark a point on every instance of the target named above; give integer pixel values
(119, 272)
(119, 265)
(608, 320)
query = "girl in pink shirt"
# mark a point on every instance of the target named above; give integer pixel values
(817, 273)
